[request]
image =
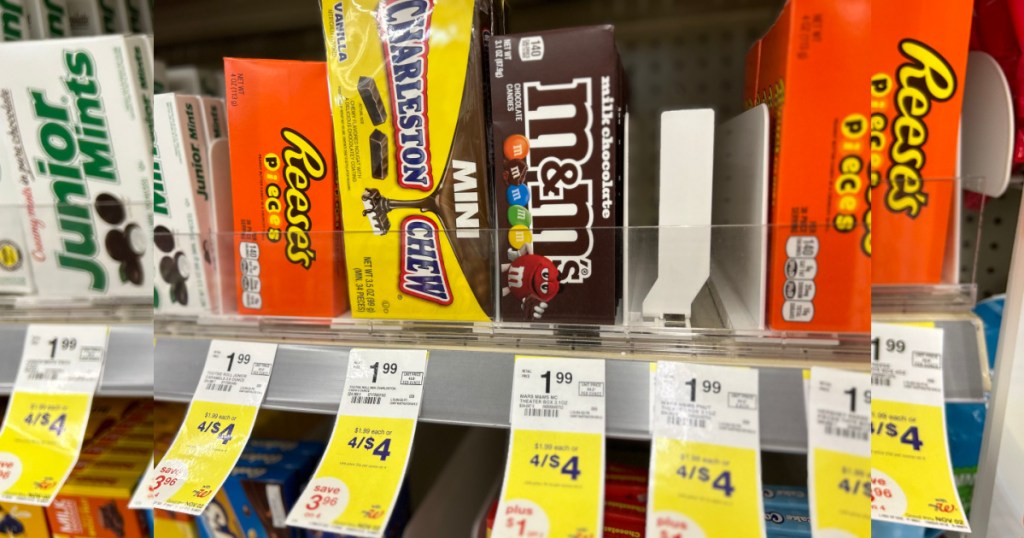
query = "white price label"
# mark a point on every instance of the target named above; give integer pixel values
(45, 422)
(356, 484)
(839, 452)
(705, 455)
(554, 475)
(217, 427)
(911, 473)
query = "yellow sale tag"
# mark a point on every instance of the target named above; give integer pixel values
(216, 428)
(705, 457)
(554, 476)
(48, 411)
(354, 489)
(839, 453)
(552, 481)
(911, 473)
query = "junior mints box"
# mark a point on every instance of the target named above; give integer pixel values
(74, 141)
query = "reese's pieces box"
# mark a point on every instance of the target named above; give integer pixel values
(284, 195)
(919, 63)
(810, 71)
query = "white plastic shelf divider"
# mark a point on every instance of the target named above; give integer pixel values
(129, 367)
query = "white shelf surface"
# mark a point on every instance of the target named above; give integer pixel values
(129, 366)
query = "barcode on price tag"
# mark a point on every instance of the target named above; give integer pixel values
(216, 428)
(355, 486)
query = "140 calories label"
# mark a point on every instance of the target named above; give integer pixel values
(217, 426)
(705, 456)
(354, 489)
(554, 475)
(911, 475)
(46, 418)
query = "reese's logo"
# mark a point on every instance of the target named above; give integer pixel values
(926, 78)
(300, 162)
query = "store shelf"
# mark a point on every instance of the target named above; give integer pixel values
(129, 367)
(470, 388)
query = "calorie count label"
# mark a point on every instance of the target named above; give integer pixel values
(839, 451)
(705, 456)
(356, 483)
(46, 417)
(912, 480)
(216, 428)
(554, 474)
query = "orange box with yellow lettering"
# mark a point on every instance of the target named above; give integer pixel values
(289, 255)
(919, 62)
(811, 71)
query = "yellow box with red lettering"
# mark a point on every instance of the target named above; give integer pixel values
(919, 63)
(811, 71)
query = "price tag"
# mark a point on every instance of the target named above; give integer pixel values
(706, 453)
(217, 426)
(354, 489)
(139, 500)
(48, 410)
(839, 453)
(911, 474)
(554, 476)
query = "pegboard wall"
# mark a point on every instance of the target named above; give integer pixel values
(994, 245)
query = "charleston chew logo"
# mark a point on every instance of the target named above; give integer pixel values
(75, 140)
(404, 27)
(422, 270)
(925, 78)
(302, 162)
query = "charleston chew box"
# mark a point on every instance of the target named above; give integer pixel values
(75, 139)
(556, 107)
(284, 197)
(811, 72)
(919, 63)
(409, 116)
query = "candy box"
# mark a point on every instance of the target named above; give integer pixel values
(180, 207)
(285, 202)
(919, 64)
(557, 103)
(75, 140)
(409, 106)
(23, 521)
(79, 516)
(14, 20)
(785, 497)
(230, 514)
(819, 252)
(788, 522)
(48, 18)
